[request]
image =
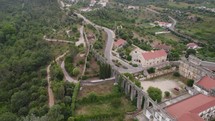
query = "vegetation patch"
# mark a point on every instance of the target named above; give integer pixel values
(111, 105)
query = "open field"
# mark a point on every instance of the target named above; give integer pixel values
(108, 103)
(100, 89)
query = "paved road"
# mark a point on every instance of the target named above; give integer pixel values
(109, 45)
(108, 49)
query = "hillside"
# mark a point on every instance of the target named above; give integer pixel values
(24, 55)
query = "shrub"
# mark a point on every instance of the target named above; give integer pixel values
(167, 67)
(84, 77)
(137, 83)
(167, 94)
(81, 62)
(176, 74)
(88, 65)
(151, 70)
(190, 83)
(129, 58)
(71, 119)
(134, 65)
(74, 97)
(75, 72)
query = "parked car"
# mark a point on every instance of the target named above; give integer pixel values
(177, 89)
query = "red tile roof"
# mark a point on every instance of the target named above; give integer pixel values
(207, 82)
(119, 42)
(190, 117)
(154, 54)
(188, 109)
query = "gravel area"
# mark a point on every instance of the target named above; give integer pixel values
(165, 83)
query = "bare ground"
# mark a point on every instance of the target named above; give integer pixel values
(100, 89)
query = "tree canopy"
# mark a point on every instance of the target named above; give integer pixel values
(155, 94)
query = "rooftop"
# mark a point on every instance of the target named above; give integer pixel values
(188, 109)
(207, 82)
(154, 54)
(119, 42)
(192, 45)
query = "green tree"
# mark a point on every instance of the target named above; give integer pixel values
(19, 100)
(190, 52)
(104, 71)
(173, 55)
(155, 93)
(54, 114)
(76, 72)
(190, 83)
(7, 116)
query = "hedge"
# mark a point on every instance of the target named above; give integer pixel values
(74, 97)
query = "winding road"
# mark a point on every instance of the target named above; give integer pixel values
(107, 53)
(108, 49)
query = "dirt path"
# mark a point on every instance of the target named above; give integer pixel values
(50, 92)
(87, 51)
(81, 39)
(57, 40)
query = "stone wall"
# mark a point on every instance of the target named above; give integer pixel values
(191, 71)
(161, 72)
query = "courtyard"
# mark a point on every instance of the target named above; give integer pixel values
(167, 82)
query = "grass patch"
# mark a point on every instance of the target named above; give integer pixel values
(108, 105)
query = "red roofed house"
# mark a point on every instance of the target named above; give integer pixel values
(119, 43)
(148, 58)
(196, 108)
(192, 46)
(205, 85)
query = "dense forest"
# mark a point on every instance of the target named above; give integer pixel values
(24, 56)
